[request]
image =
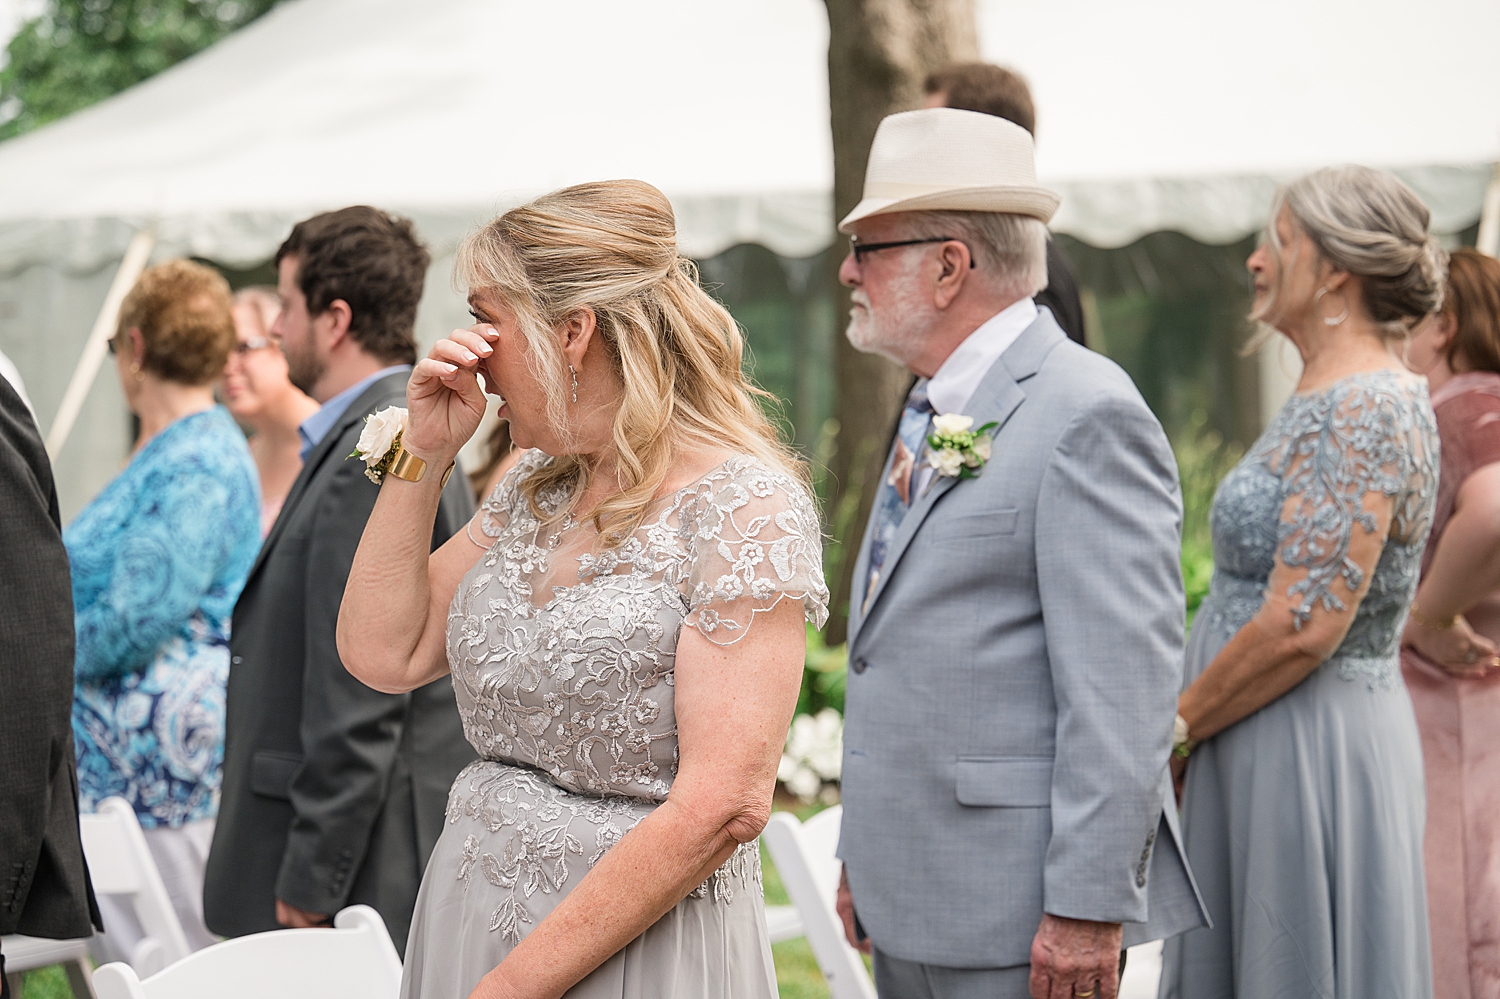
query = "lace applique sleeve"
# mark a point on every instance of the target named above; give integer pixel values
(755, 541)
(1354, 460)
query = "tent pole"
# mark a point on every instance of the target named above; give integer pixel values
(94, 348)
(1489, 218)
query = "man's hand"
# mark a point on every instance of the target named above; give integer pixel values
(845, 906)
(1075, 957)
(300, 919)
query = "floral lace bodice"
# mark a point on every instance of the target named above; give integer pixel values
(1300, 492)
(562, 654)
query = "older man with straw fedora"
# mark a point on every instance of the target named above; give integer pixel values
(1015, 639)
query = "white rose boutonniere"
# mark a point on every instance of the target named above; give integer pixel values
(959, 450)
(380, 440)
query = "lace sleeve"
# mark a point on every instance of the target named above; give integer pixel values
(1355, 461)
(755, 542)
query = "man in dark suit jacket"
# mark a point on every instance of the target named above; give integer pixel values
(333, 794)
(44, 883)
(979, 86)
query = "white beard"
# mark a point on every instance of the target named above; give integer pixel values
(896, 330)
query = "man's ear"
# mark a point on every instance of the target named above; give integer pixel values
(956, 266)
(577, 332)
(336, 319)
(137, 345)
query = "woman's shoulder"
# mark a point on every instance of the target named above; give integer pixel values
(209, 441)
(740, 479)
(1363, 405)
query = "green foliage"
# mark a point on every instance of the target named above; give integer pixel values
(82, 51)
(1203, 458)
(825, 675)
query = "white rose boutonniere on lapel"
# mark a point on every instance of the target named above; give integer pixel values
(958, 449)
(380, 440)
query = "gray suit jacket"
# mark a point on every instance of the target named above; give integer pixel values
(334, 794)
(1013, 680)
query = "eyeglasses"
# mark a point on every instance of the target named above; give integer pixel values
(860, 249)
(254, 343)
(111, 344)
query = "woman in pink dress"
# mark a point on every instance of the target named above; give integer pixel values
(1450, 654)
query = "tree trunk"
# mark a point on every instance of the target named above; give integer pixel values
(879, 53)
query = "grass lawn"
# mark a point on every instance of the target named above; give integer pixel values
(52, 983)
(797, 974)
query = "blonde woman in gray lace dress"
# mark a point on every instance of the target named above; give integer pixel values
(623, 619)
(1303, 807)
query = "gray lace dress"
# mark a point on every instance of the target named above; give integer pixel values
(1304, 821)
(562, 659)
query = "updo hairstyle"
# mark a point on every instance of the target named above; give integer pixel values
(611, 247)
(1370, 224)
(184, 314)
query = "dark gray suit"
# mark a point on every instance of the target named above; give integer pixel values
(44, 883)
(1012, 682)
(333, 793)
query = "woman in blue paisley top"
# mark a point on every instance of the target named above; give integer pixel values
(623, 620)
(1303, 804)
(158, 560)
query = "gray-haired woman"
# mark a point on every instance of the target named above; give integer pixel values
(1303, 805)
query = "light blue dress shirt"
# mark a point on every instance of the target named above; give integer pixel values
(316, 426)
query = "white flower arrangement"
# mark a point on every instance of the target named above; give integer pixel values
(380, 441)
(958, 450)
(813, 758)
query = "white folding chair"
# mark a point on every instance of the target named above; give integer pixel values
(120, 863)
(804, 856)
(354, 960)
(1142, 971)
(23, 954)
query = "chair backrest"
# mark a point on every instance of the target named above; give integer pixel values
(804, 856)
(354, 960)
(120, 863)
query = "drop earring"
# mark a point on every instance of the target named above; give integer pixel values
(135, 369)
(575, 382)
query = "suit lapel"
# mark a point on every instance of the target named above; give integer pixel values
(996, 398)
(361, 407)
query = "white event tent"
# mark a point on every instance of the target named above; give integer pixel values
(1157, 114)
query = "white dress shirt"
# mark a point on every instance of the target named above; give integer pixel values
(953, 384)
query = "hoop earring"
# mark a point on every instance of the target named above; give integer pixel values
(575, 382)
(1336, 320)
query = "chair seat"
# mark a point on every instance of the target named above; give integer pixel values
(23, 953)
(784, 923)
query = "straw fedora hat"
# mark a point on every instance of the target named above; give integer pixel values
(944, 158)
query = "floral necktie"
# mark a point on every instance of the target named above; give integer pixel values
(895, 496)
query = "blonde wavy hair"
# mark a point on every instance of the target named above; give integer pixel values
(611, 247)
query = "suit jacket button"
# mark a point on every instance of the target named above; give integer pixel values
(236, 660)
(860, 665)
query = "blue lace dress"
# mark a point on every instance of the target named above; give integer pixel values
(158, 560)
(1303, 822)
